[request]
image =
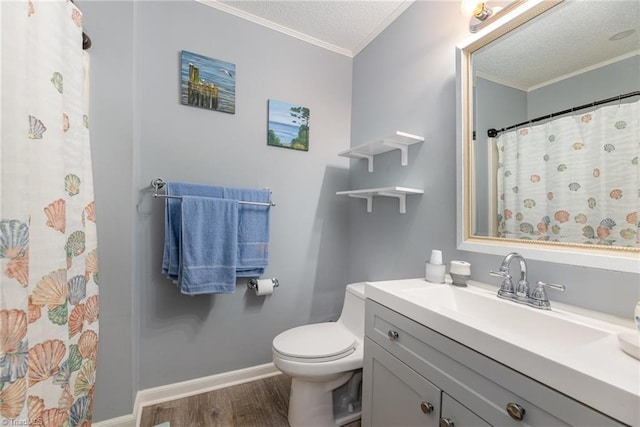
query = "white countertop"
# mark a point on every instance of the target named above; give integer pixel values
(595, 372)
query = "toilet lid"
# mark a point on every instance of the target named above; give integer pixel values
(319, 340)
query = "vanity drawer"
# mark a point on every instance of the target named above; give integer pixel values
(481, 384)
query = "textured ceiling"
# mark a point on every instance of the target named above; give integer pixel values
(572, 36)
(345, 26)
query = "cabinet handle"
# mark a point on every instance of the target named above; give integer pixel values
(393, 335)
(446, 422)
(426, 407)
(515, 411)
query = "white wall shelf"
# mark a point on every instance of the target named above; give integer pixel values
(398, 141)
(399, 192)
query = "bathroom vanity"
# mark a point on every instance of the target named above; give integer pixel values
(438, 355)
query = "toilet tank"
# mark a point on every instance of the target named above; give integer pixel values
(352, 316)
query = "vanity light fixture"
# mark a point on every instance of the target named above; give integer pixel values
(482, 15)
(477, 9)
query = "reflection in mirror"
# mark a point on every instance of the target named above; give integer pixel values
(561, 96)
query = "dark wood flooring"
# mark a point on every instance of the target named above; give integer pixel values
(262, 403)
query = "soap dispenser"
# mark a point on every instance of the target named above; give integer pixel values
(435, 269)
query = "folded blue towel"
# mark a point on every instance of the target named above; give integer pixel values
(172, 222)
(208, 245)
(253, 231)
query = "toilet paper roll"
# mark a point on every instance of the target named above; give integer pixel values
(264, 287)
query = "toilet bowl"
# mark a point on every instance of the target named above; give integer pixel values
(321, 358)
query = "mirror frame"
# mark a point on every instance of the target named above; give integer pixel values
(609, 258)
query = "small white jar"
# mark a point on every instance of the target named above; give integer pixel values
(460, 272)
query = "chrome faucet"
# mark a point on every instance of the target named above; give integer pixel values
(522, 293)
(507, 290)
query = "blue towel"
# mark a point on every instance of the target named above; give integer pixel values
(172, 222)
(253, 231)
(208, 245)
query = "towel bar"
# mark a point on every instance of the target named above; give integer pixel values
(159, 183)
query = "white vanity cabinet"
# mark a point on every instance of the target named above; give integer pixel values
(395, 394)
(416, 376)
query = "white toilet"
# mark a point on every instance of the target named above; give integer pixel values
(321, 358)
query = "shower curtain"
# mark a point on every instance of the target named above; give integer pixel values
(574, 179)
(48, 264)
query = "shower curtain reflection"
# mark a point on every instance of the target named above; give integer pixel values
(573, 179)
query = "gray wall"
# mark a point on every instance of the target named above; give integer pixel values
(412, 68)
(151, 334)
(184, 337)
(601, 83)
(496, 106)
(112, 130)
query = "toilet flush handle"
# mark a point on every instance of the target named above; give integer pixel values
(393, 335)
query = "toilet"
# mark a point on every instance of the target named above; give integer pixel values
(324, 361)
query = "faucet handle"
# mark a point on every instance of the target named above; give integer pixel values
(507, 290)
(502, 273)
(539, 295)
(555, 286)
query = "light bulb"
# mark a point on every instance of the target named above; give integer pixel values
(468, 7)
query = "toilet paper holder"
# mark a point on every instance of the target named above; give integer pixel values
(253, 283)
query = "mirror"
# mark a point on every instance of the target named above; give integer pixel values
(553, 178)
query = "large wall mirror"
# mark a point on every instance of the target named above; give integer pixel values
(549, 134)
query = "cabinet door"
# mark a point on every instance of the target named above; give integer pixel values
(394, 394)
(456, 415)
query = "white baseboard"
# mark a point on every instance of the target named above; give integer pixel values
(165, 393)
(124, 421)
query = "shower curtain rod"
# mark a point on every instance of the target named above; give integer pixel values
(492, 133)
(86, 41)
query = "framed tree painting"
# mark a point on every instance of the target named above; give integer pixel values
(207, 83)
(288, 125)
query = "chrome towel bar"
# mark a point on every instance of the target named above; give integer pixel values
(159, 183)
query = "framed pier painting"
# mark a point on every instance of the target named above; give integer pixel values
(288, 125)
(207, 83)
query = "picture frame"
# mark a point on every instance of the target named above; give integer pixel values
(288, 125)
(207, 83)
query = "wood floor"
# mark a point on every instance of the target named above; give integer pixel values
(262, 403)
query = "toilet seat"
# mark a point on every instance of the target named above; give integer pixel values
(319, 342)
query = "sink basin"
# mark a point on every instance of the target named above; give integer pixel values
(572, 350)
(517, 323)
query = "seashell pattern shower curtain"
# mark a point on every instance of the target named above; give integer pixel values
(48, 261)
(575, 179)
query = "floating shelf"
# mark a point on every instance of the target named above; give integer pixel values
(398, 141)
(399, 192)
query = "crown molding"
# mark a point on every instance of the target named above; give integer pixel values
(585, 69)
(276, 27)
(382, 26)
